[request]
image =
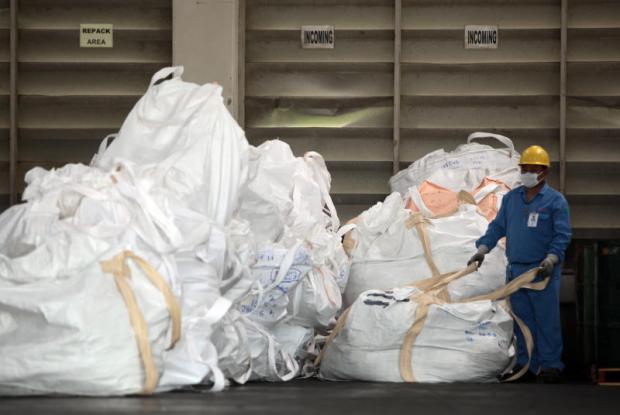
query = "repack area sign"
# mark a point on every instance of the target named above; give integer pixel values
(317, 37)
(96, 35)
(481, 37)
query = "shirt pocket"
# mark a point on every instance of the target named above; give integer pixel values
(545, 221)
(544, 216)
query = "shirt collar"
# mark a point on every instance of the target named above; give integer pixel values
(542, 192)
(544, 189)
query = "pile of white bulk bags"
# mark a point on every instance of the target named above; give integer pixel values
(182, 255)
(430, 228)
(424, 233)
(301, 268)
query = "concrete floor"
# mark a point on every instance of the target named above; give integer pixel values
(314, 397)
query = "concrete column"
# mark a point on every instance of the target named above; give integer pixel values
(205, 40)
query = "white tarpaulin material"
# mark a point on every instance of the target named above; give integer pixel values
(178, 216)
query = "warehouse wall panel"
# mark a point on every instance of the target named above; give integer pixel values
(449, 91)
(4, 102)
(593, 115)
(336, 101)
(71, 97)
(340, 101)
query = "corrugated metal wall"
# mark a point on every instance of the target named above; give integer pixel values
(340, 101)
(71, 97)
(593, 116)
(4, 102)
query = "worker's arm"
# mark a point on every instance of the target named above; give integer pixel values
(561, 230)
(496, 229)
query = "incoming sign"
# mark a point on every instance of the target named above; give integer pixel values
(481, 37)
(317, 37)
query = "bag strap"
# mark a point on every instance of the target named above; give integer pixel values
(524, 280)
(342, 320)
(346, 229)
(416, 198)
(102, 148)
(417, 220)
(283, 269)
(322, 177)
(118, 267)
(529, 344)
(349, 243)
(440, 281)
(290, 367)
(507, 142)
(485, 191)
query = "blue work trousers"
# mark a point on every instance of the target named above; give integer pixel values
(540, 311)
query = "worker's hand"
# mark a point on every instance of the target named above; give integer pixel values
(478, 256)
(547, 265)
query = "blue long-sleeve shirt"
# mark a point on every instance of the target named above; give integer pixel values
(530, 244)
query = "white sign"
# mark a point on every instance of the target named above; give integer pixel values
(481, 37)
(317, 37)
(96, 35)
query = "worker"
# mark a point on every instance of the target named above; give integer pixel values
(534, 219)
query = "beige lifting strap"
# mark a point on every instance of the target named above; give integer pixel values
(427, 295)
(417, 220)
(529, 344)
(118, 267)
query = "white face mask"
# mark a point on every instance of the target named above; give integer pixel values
(529, 180)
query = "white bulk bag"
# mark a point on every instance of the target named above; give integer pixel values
(191, 158)
(184, 140)
(390, 251)
(287, 201)
(77, 332)
(463, 168)
(267, 200)
(459, 342)
(413, 335)
(315, 301)
(270, 360)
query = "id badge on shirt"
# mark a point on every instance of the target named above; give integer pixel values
(532, 220)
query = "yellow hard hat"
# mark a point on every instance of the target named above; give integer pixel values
(535, 155)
